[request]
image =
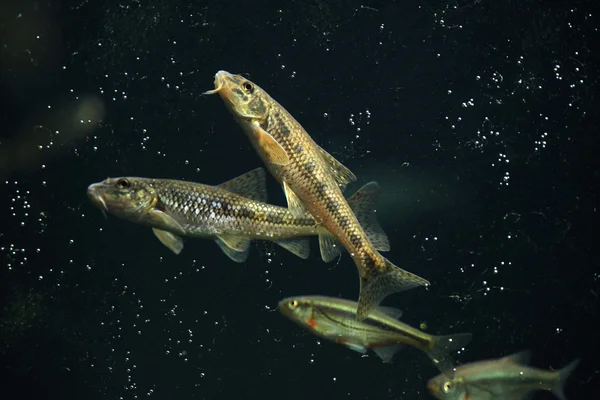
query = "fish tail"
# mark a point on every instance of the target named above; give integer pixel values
(563, 375)
(441, 348)
(376, 284)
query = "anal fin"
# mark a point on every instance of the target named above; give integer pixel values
(172, 241)
(363, 204)
(299, 247)
(386, 353)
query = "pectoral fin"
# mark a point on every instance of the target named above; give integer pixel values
(341, 174)
(172, 241)
(165, 222)
(295, 205)
(275, 153)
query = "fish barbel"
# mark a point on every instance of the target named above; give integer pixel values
(313, 181)
(499, 379)
(334, 319)
(232, 214)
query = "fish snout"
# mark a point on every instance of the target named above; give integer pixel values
(219, 81)
(95, 196)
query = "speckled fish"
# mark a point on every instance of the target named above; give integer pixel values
(313, 181)
(232, 213)
(334, 319)
(507, 378)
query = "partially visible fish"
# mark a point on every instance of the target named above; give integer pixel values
(506, 378)
(232, 214)
(313, 181)
(334, 319)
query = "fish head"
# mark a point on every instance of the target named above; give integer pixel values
(297, 309)
(123, 197)
(445, 388)
(242, 97)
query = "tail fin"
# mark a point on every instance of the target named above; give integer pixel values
(441, 348)
(563, 375)
(377, 283)
(363, 204)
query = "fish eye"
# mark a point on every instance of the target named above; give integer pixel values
(447, 387)
(293, 303)
(123, 183)
(248, 87)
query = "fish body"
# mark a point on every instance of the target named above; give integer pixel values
(232, 214)
(313, 181)
(334, 319)
(506, 378)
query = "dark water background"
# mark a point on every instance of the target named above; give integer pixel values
(478, 119)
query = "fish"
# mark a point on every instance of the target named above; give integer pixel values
(333, 319)
(232, 213)
(313, 181)
(506, 378)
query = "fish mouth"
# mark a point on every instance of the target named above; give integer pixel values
(219, 82)
(96, 198)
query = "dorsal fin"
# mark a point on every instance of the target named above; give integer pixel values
(390, 311)
(363, 204)
(251, 185)
(341, 174)
(520, 358)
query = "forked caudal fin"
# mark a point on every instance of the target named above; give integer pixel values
(377, 284)
(442, 346)
(563, 375)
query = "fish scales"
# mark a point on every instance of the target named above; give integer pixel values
(204, 209)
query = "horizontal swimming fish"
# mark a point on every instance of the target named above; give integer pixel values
(232, 214)
(506, 378)
(313, 181)
(334, 319)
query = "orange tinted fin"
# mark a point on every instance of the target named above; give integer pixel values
(276, 154)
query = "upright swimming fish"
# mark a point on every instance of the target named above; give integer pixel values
(334, 319)
(232, 213)
(506, 378)
(313, 181)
